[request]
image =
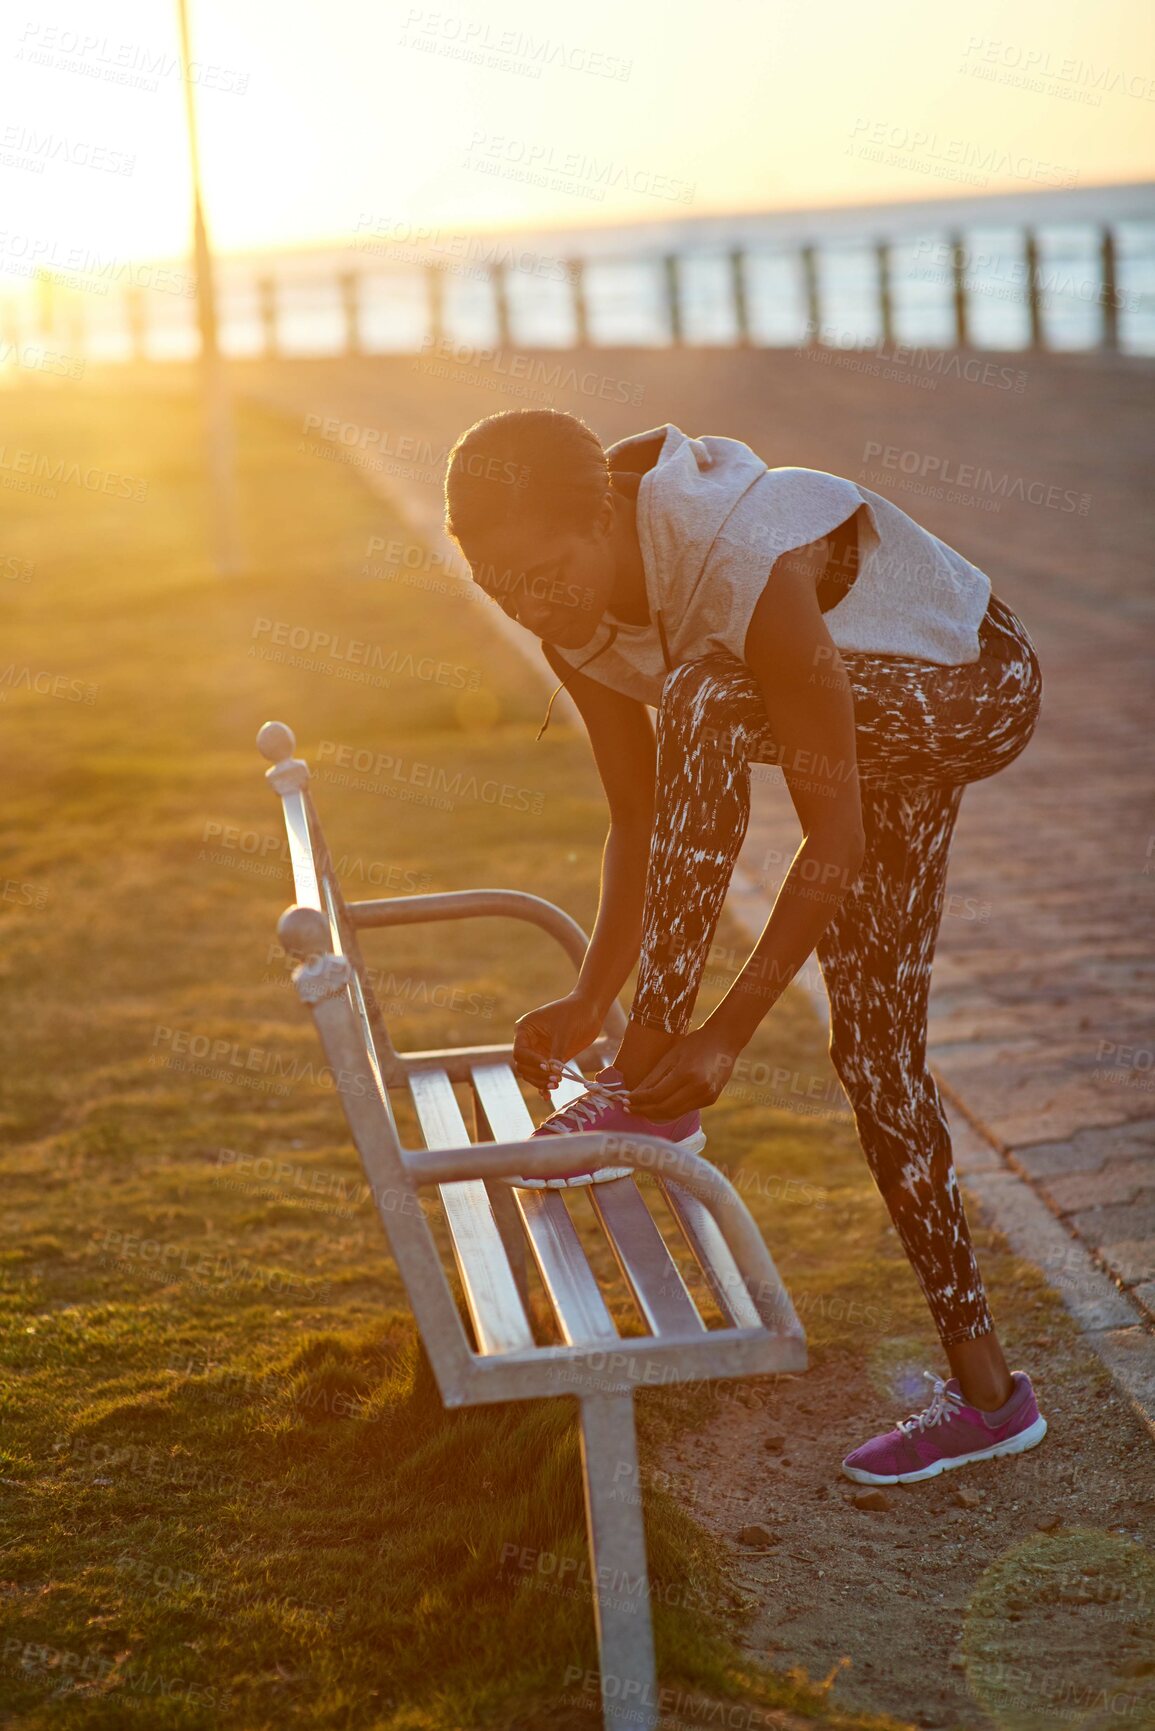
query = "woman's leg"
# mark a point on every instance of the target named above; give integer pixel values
(912, 719)
(711, 721)
(876, 960)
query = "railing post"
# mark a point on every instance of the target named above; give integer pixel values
(435, 294)
(499, 279)
(741, 299)
(350, 283)
(1034, 303)
(959, 274)
(813, 294)
(885, 293)
(1109, 338)
(575, 269)
(673, 299)
(267, 312)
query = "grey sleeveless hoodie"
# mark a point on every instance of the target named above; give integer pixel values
(712, 519)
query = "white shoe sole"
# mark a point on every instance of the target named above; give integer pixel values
(1015, 1445)
(692, 1144)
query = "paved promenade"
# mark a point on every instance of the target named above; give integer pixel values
(1043, 1008)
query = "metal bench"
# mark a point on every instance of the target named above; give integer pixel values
(491, 1223)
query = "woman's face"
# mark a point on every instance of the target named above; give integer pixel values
(555, 583)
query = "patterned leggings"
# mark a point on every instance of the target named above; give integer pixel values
(923, 732)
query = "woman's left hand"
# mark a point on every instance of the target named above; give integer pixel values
(692, 1073)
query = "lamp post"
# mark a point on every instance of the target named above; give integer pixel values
(220, 442)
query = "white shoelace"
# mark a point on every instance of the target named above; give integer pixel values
(584, 1110)
(944, 1406)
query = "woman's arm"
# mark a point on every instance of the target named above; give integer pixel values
(810, 709)
(622, 740)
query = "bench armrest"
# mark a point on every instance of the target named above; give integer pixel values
(480, 904)
(545, 1157)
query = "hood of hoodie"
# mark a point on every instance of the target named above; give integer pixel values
(702, 504)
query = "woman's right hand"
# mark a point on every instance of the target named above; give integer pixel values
(556, 1031)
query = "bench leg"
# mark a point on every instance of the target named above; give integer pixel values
(617, 1537)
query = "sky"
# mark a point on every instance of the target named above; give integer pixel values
(322, 118)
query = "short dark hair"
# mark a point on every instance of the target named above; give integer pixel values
(525, 465)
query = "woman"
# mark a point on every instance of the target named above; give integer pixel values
(767, 615)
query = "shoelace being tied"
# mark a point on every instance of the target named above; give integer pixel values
(585, 1109)
(943, 1406)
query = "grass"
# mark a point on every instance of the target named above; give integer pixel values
(231, 1495)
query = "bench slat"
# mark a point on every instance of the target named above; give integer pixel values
(712, 1254)
(573, 1289)
(490, 1289)
(647, 1266)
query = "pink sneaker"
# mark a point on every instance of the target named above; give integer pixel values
(948, 1433)
(602, 1107)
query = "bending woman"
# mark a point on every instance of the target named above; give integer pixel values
(782, 616)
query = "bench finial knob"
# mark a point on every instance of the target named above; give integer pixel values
(304, 932)
(276, 741)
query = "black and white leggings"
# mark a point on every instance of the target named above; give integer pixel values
(923, 732)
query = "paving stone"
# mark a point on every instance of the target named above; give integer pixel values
(1116, 1181)
(1129, 1354)
(1030, 1092)
(972, 1152)
(1033, 1232)
(1118, 1222)
(1144, 1294)
(1132, 1259)
(1088, 1149)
